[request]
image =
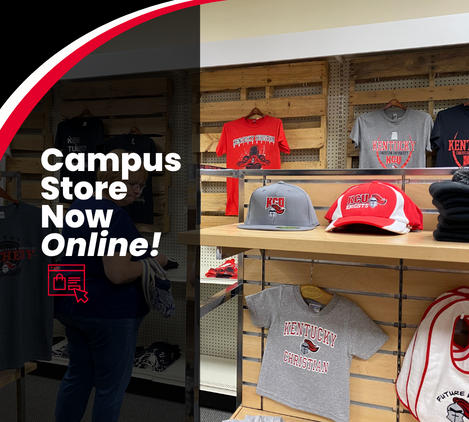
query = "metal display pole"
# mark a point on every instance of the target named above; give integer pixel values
(21, 381)
(192, 376)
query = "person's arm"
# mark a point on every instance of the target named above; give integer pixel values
(120, 269)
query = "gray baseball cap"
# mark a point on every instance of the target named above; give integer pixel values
(280, 206)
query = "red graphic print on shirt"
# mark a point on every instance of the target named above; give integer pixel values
(460, 150)
(394, 152)
(312, 338)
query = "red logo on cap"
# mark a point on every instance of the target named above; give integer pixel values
(276, 206)
(365, 200)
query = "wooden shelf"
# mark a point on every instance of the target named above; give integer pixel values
(10, 375)
(179, 275)
(416, 246)
(217, 375)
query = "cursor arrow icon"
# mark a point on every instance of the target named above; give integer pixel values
(80, 295)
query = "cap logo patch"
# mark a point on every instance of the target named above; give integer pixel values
(376, 200)
(276, 206)
(365, 200)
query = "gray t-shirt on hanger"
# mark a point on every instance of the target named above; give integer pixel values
(392, 138)
(306, 364)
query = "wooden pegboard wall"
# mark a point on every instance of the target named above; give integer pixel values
(209, 116)
(429, 65)
(122, 104)
(32, 138)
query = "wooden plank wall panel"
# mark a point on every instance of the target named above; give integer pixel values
(117, 107)
(256, 77)
(377, 393)
(407, 417)
(411, 64)
(124, 103)
(251, 398)
(28, 142)
(115, 88)
(209, 116)
(32, 138)
(301, 138)
(30, 190)
(230, 110)
(394, 67)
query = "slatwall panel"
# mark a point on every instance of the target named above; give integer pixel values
(27, 145)
(395, 299)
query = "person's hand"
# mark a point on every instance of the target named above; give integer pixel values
(161, 259)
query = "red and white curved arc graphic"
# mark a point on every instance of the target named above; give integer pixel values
(18, 106)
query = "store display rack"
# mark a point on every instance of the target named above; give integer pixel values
(401, 273)
(218, 374)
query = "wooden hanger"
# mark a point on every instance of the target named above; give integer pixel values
(309, 291)
(394, 102)
(84, 113)
(253, 112)
(134, 129)
(4, 195)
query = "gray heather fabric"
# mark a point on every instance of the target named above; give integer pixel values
(392, 138)
(309, 350)
(249, 418)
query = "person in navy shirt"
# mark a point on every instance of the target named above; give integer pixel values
(102, 332)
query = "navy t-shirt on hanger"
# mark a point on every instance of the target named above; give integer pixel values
(78, 135)
(450, 137)
(141, 210)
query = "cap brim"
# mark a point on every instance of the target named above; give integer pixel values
(381, 222)
(275, 228)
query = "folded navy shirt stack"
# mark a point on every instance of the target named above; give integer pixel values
(451, 198)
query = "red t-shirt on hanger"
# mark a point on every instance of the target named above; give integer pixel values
(250, 144)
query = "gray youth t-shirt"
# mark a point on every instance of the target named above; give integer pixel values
(309, 351)
(392, 138)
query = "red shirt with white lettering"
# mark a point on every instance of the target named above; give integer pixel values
(250, 144)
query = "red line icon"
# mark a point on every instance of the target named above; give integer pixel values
(67, 280)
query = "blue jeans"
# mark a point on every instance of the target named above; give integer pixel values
(101, 353)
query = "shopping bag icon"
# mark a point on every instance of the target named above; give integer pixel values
(67, 280)
(59, 282)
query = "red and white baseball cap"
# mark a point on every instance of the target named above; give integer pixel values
(376, 204)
